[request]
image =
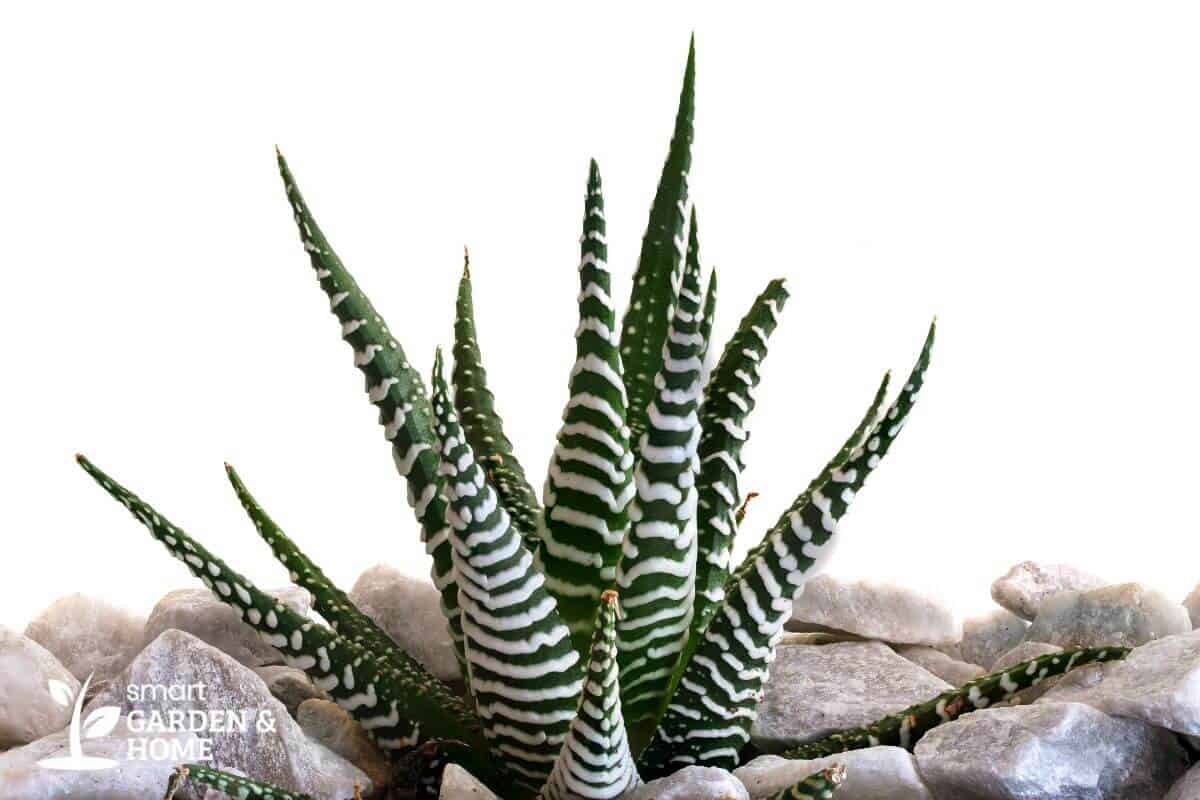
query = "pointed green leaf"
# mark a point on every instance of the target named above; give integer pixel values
(644, 327)
(707, 719)
(905, 728)
(656, 573)
(728, 401)
(525, 674)
(239, 787)
(590, 478)
(595, 761)
(818, 786)
(398, 707)
(484, 428)
(395, 388)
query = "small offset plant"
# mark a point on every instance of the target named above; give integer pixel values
(603, 634)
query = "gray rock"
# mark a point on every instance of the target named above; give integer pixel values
(1187, 787)
(1019, 654)
(874, 611)
(1024, 587)
(458, 784)
(178, 672)
(88, 635)
(290, 686)
(331, 725)
(409, 610)
(952, 671)
(876, 773)
(139, 773)
(28, 711)
(988, 637)
(1023, 652)
(1127, 614)
(692, 783)
(815, 690)
(1049, 750)
(1158, 683)
(200, 613)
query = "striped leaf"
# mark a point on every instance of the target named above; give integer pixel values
(709, 315)
(728, 401)
(399, 708)
(484, 428)
(656, 573)
(905, 728)
(818, 786)
(708, 718)
(644, 327)
(590, 478)
(329, 601)
(238, 787)
(525, 674)
(595, 761)
(395, 388)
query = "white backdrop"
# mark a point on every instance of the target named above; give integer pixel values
(1027, 172)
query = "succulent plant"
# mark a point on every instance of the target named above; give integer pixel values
(602, 634)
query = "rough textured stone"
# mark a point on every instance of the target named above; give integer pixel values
(1127, 614)
(1048, 750)
(815, 690)
(88, 635)
(876, 773)
(332, 726)
(137, 778)
(1026, 651)
(282, 755)
(874, 611)
(1192, 604)
(1158, 683)
(1023, 588)
(1187, 787)
(27, 710)
(952, 671)
(200, 613)
(692, 783)
(409, 610)
(458, 784)
(988, 637)
(290, 686)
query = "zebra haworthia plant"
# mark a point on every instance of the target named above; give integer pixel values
(603, 637)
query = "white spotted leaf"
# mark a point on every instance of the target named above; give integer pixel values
(101, 722)
(61, 692)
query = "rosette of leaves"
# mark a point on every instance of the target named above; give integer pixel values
(604, 634)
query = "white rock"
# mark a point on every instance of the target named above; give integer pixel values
(1023, 588)
(988, 637)
(876, 773)
(88, 635)
(692, 783)
(200, 613)
(1192, 604)
(1158, 683)
(1051, 750)
(952, 671)
(874, 611)
(1127, 614)
(409, 610)
(1025, 651)
(178, 672)
(816, 690)
(27, 710)
(290, 685)
(331, 725)
(1187, 787)
(137, 775)
(458, 784)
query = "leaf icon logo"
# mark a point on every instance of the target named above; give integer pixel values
(99, 723)
(61, 693)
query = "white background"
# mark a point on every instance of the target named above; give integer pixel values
(1026, 171)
